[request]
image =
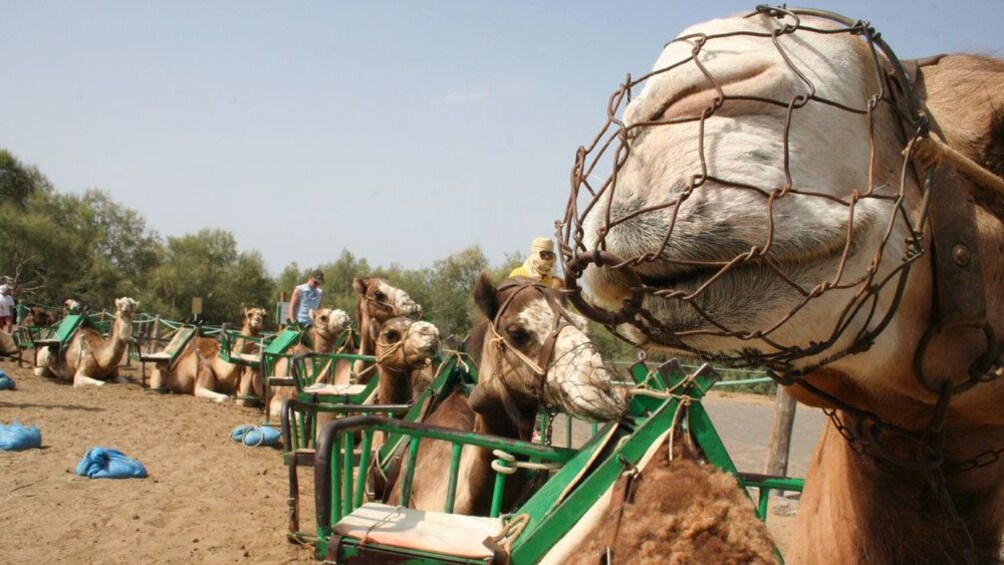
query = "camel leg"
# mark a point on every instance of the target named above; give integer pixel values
(81, 380)
(203, 392)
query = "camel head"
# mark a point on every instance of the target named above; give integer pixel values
(535, 351)
(330, 323)
(381, 301)
(254, 319)
(406, 344)
(758, 207)
(125, 307)
(71, 306)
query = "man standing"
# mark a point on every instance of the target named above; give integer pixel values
(7, 308)
(539, 265)
(306, 297)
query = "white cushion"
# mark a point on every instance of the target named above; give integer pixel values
(407, 528)
(324, 388)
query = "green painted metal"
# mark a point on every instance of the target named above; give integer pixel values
(498, 489)
(552, 511)
(64, 333)
(347, 498)
(365, 453)
(409, 472)
(451, 485)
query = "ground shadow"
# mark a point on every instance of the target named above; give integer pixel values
(55, 406)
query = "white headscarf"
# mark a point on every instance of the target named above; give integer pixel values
(534, 263)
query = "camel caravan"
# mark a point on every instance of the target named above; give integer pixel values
(780, 192)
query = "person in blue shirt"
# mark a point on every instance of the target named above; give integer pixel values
(306, 297)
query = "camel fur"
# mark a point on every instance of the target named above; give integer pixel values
(508, 397)
(199, 370)
(90, 359)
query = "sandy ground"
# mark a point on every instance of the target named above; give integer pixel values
(207, 499)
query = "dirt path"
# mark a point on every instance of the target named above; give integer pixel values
(208, 499)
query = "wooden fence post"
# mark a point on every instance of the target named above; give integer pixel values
(151, 344)
(780, 433)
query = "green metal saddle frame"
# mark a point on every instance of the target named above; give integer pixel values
(299, 423)
(551, 512)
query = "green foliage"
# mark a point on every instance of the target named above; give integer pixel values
(17, 182)
(207, 265)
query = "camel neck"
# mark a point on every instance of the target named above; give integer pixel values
(920, 527)
(322, 344)
(395, 385)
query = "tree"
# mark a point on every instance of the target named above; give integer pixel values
(17, 181)
(207, 265)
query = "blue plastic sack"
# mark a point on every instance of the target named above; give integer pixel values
(108, 463)
(6, 383)
(253, 436)
(16, 437)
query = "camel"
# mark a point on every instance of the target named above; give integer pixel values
(404, 351)
(199, 370)
(763, 188)
(328, 326)
(377, 301)
(520, 321)
(89, 358)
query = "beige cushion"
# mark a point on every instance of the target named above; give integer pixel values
(324, 388)
(407, 528)
(246, 357)
(159, 356)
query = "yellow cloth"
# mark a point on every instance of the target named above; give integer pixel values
(522, 271)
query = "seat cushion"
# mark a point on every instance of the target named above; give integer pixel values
(324, 388)
(407, 528)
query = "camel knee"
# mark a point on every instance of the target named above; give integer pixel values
(203, 392)
(81, 380)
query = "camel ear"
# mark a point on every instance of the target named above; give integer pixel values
(313, 314)
(360, 284)
(485, 296)
(483, 400)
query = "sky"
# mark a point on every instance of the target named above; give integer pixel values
(401, 131)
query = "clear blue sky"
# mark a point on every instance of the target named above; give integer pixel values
(401, 131)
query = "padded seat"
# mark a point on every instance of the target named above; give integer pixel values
(246, 358)
(324, 388)
(154, 357)
(407, 528)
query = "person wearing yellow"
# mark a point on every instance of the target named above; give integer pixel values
(539, 265)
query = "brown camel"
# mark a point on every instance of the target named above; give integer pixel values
(200, 371)
(88, 357)
(328, 326)
(376, 302)
(404, 352)
(767, 206)
(521, 320)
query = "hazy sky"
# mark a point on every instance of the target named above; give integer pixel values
(401, 131)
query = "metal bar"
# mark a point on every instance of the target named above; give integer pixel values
(336, 482)
(763, 499)
(409, 473)
(451, 488)
(364, 464)
(498, 490)
(350, 447)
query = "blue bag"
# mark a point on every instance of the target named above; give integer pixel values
(108, 463)
(16, 437)
(6, 383)
(253, 436)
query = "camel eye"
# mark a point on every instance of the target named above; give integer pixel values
(392, 335)
(518, 336)
(380, 296)
(324, 318)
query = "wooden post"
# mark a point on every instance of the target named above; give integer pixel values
(151, 344)
(780, 433)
